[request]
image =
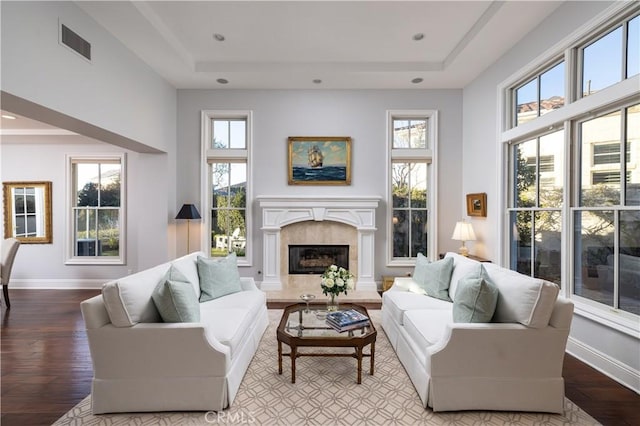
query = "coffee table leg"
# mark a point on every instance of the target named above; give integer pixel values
(293, 364)
(279, 357)
(373, 352)
(359, 356)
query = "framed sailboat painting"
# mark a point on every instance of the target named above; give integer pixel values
(319, 160)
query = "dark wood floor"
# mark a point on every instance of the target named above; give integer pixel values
(46, 366)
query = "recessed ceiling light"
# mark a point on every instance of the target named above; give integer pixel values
(222, 80)
(218, 37)
(8, 117)
(417, 80)
(317, 81)
(418, 36)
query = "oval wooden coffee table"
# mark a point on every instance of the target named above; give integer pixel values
(299, 328)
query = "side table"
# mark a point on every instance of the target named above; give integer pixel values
(387, 282)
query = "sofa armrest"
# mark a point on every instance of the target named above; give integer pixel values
(248, 284)
(94, 312)
(498, 350)
(402, 284)
(156, 350)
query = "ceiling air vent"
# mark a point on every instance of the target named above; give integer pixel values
(75, 42)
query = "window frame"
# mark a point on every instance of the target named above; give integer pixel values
(211, 155)
(70, 258)
(576, 108)
(537, 77)
(426, 155)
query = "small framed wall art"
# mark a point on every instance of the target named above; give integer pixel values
(477, 204)
(319, 160)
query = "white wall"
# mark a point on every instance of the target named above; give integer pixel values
(43, 158)
(117, 99)
(360, 114)
(116, 91)
(613, 352)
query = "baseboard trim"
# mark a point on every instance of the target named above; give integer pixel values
(608, 366)
(57, 284)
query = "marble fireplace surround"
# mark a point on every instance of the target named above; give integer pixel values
(281, 211)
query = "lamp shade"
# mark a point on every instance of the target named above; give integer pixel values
(463, 232)
(188, 211)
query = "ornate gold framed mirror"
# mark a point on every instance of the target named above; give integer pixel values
(27, 212)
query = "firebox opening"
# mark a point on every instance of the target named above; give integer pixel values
(314, 259)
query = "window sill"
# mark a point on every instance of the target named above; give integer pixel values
(613, 318)
(94, 261)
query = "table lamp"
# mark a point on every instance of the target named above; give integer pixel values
(188, 211)
(463, 232)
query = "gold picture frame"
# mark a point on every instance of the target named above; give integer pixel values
(27, 211)
(319, 160)
(477, 204)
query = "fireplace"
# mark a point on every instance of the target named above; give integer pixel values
(314, 259)
(288, 212)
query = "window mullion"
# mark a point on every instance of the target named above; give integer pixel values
(537, 204)
(87, 223)
(623, 157)
(532, 246)
(96, 210)
(623, 68)
(408, 219)
(616, 258)
(539, 94)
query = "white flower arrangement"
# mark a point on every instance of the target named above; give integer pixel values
(336, 280)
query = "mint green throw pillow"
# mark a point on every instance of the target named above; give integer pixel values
(175, 298)
(476, 299)
(433, 278)
(218, 277)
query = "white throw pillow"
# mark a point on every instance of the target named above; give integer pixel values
(128, 300)
(529, 301)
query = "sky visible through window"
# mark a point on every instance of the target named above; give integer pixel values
(602, 66)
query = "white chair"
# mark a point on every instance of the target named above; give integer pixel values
(9, 250)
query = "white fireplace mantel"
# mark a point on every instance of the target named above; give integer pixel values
(280, 211)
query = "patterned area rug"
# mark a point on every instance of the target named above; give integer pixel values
(326, 393)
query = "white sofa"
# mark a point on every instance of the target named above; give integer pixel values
(512, 363)
(143, 364)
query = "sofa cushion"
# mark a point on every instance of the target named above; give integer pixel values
(175, 298)
(462, 267)
(398, 302)
(188, 266)
(229, 326)
(128, 300)
(529, 301)
(251, 300)
(475, 299)
(433, 278)
(218, 277)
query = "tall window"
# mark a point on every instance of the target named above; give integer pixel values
(97, 210)
(581, 169)
(227, 142)
(535, 219)
(412, 146)
(606, 226)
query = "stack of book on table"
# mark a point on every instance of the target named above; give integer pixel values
(347, 320)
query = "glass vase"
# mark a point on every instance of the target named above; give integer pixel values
(332, 304)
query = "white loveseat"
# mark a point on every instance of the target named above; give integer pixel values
(143, 364)
(512, 363)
